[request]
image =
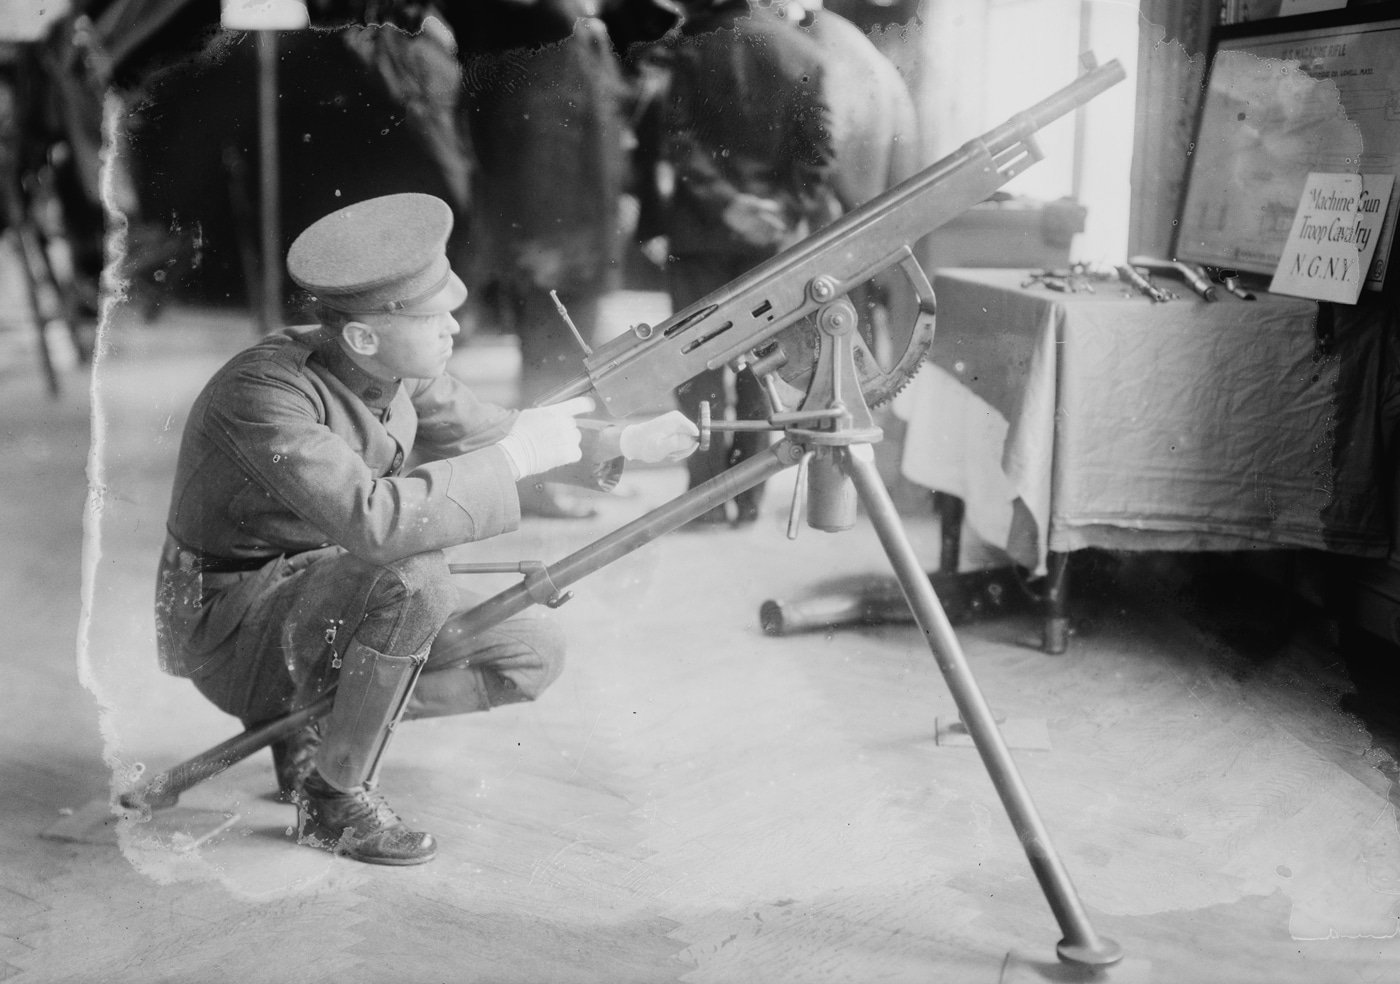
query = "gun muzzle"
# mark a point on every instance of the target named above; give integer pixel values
(1027, 122)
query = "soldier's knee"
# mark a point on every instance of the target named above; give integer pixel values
(548, 642)
(420, 585)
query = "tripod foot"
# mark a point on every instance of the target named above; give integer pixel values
(154, 796)
(1101, 953)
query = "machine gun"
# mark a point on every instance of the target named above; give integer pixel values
(790, 321)
(740, 322)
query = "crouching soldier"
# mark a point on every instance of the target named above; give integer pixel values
(303, 553)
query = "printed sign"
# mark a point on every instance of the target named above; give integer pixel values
(1279, 105)
(1334, 235)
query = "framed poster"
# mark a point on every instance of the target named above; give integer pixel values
(1285, 98)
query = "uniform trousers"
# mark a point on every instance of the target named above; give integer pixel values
(288, 647)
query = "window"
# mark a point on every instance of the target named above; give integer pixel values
(985, 60)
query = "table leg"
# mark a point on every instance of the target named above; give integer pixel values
(1056, 602)
(949, 509)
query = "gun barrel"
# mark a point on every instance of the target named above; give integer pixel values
(637, 369)
(1055, 105)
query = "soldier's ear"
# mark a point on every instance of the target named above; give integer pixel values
(362, 339)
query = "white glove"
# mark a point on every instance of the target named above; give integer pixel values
(669, 437)
(545, 437)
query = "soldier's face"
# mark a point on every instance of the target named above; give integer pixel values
(414, 346)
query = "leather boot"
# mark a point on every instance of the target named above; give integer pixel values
(293, 757)
(358, 824)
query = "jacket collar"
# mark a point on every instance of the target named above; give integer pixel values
(376, 392)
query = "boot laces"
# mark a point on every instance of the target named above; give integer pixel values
(367, 804)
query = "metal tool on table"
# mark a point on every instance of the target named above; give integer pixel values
(1194, 276)
(1061, 281)
(1230, 280)
(1130, 276)
(789, 320)
(1076, 278)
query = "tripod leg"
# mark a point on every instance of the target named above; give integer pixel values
(163, 790)
(1081, 944)
(638, 533)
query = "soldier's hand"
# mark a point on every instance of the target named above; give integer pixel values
(669, 437)
(545, 437)
(758, 221)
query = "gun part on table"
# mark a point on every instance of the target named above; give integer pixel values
(1194, 276)
(1130, 276)
(1230, 280)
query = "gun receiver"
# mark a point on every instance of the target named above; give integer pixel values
(630, 372)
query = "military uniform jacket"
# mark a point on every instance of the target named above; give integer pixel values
(291, 447)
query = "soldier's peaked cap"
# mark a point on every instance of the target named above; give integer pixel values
(384, 255)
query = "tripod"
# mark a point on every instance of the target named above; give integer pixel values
(829, 439)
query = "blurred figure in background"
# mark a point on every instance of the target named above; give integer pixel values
(543, 106)
(745, 133)
(874, 125)
(875, 145)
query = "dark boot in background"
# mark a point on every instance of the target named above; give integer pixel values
(293, 757)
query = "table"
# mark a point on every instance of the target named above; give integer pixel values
(1065, 421)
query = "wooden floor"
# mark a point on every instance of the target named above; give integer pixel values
(693, 801)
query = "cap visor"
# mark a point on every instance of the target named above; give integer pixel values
(452, 296)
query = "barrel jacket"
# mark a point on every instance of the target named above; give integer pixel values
(291, 448)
